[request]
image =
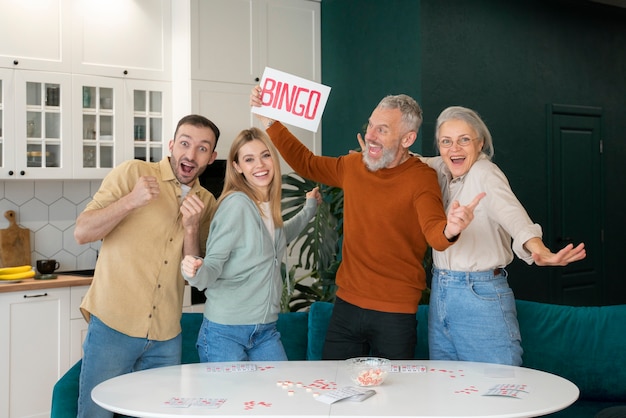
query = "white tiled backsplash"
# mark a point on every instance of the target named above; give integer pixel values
(49, 208)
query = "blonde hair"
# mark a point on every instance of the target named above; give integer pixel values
(236, 182)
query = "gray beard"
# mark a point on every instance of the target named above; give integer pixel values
(386, 159)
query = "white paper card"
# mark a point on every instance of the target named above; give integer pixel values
(350, 393)
(291, 99)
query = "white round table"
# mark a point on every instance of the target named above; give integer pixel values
(445, 389)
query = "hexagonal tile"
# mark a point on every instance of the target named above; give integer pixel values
(77, 191)
(49, 191)
(66, 260)
(48, 241)
(95, 185)
(49, 209)
(86, 260)
(33, 214)
(19, 191)
(62, 214)
(70, 245)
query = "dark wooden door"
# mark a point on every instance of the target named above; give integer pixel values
(576, 201)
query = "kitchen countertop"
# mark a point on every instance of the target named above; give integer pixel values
(34, 284)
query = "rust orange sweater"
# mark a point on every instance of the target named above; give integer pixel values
(390, 216)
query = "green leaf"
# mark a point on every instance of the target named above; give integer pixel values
(318, 244)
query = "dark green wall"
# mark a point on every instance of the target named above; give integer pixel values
(507, 60)
(370, 48)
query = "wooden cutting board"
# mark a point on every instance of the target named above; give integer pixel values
(14, 243)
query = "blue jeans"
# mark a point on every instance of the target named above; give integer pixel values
(355, 332)
(261, 342)
(472, 317)
(108, 353)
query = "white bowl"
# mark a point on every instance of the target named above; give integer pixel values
(368, 371)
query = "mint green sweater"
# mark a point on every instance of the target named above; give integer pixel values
(242, 267)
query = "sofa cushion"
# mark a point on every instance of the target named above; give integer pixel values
(581, 344)
(293, 334)
(421, 349)
(319, 317)
(65, 394)
(190, 323)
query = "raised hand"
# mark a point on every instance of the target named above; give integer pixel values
(361, 141)
(544, 257)
(146, 190)
(316, 194)
(459, 217)
(255, 101)
(191, 210)
(190, 265)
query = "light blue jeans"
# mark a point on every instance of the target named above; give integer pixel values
(472, 317)
(108, 353)
(261, 342)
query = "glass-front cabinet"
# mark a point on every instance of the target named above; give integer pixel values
(98, 125)
(36, 140)
(148, 132)
(117, 120)
(59, 126)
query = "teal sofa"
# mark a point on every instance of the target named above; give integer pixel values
(586, 345)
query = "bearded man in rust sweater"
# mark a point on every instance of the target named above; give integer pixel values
(392, 211)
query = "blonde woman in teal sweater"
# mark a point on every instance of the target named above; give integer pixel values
(241, 271)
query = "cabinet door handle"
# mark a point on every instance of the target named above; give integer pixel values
(35, 296)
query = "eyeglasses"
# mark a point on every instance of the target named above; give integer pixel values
(462, 142)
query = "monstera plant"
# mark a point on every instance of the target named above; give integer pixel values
(318, 246)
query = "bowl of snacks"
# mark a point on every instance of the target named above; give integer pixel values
(368, 371)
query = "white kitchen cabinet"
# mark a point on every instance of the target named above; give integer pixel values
(116, 120)
(35, 35)
(147, 119)
(123, 38)
(36, 140)
(7, 118)
(34, 348)
(245, 36)
(281, 34)
(237, 21)
(98, 128)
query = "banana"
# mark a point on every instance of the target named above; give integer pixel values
(16, 276)
(13, 270)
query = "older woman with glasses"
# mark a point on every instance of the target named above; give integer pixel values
(472, 315)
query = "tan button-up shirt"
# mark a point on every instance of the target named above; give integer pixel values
(137, 287)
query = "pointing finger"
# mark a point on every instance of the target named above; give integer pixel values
(476, 200)
(361, 141)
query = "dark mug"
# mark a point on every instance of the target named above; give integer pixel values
(47, 266)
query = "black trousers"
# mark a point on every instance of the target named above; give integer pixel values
(357, 332)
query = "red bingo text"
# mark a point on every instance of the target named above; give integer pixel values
(297, 100)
